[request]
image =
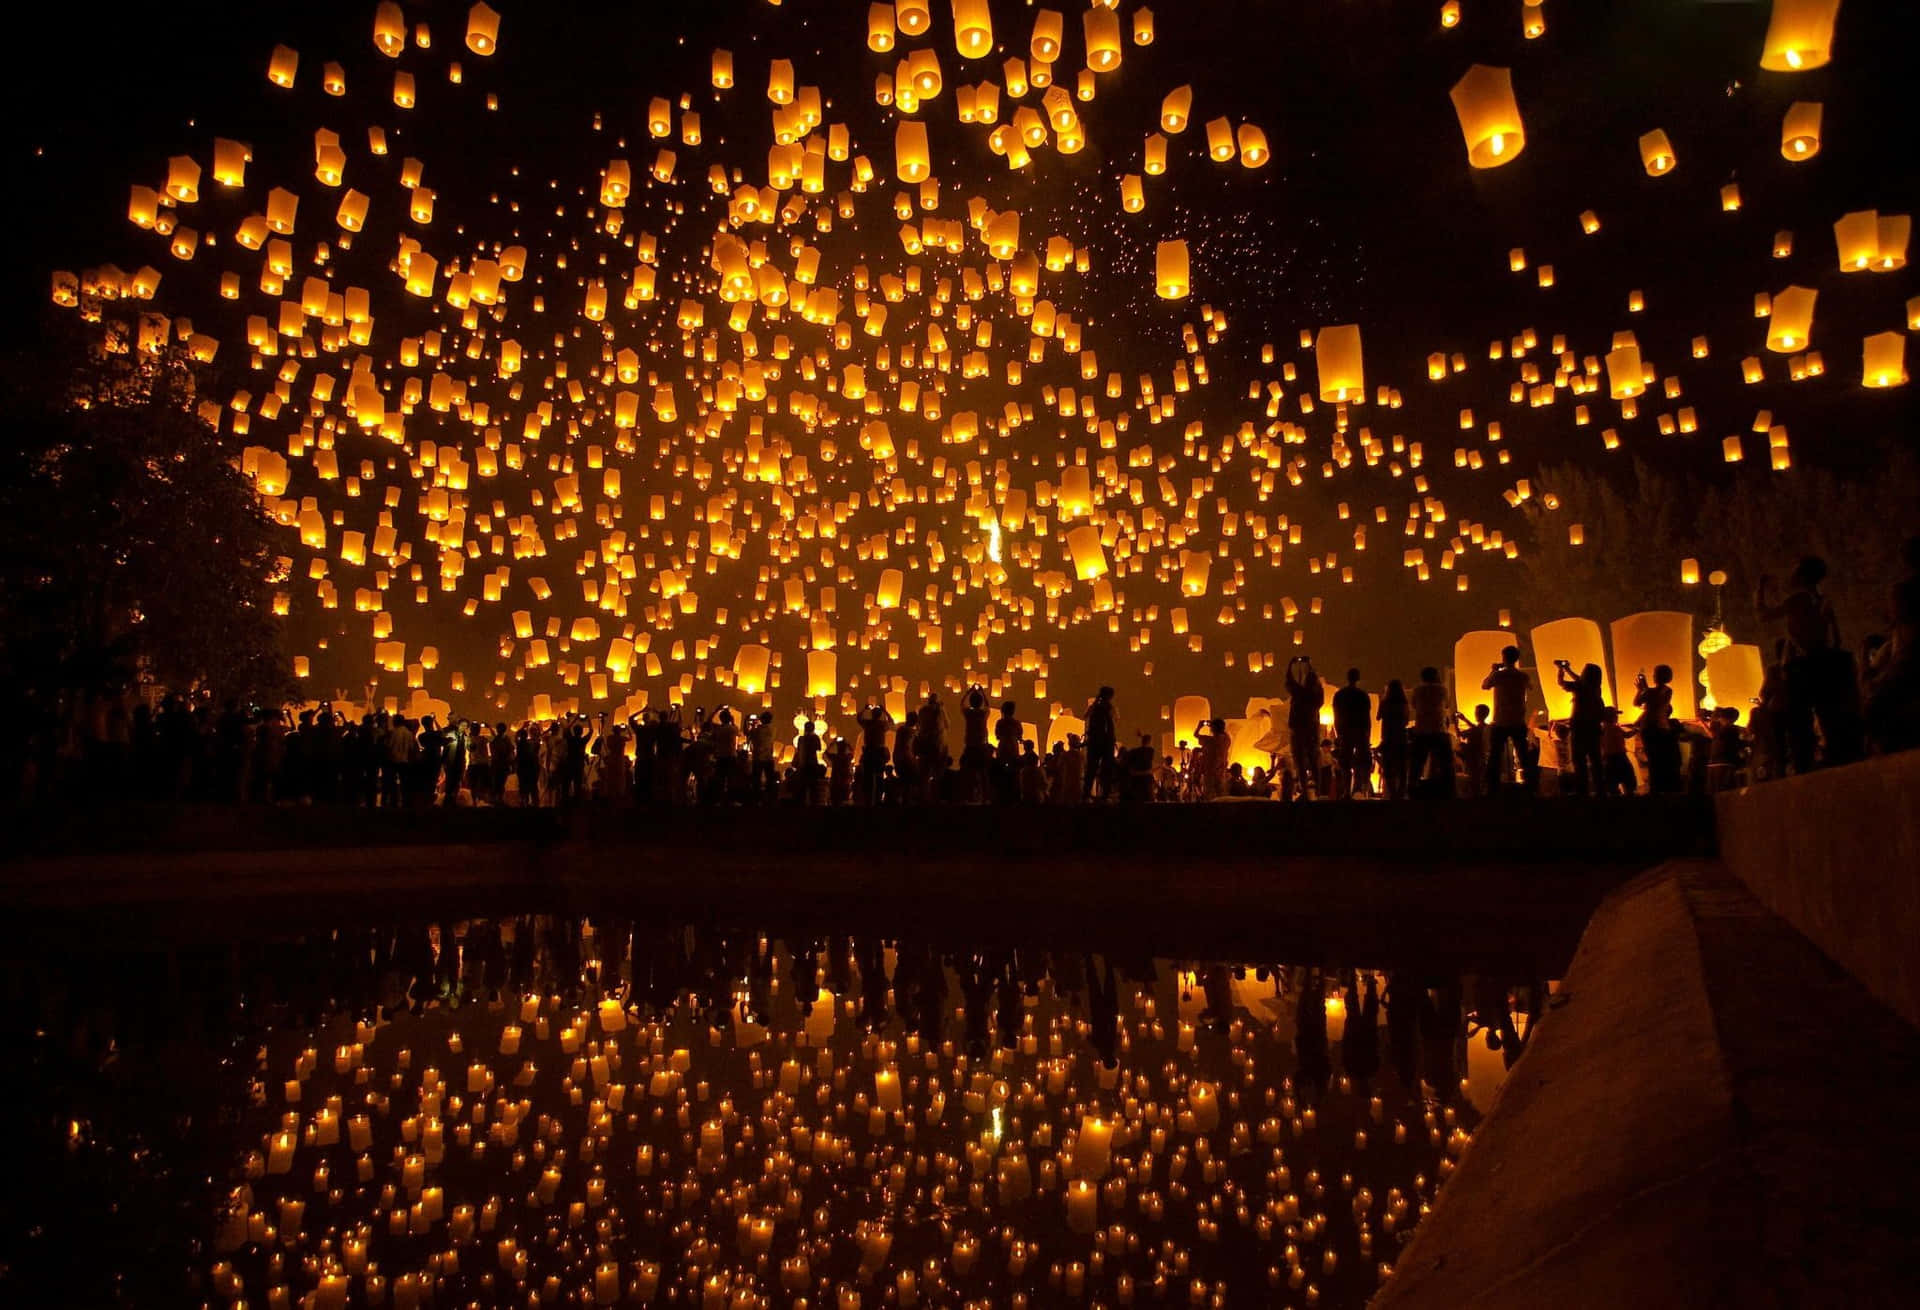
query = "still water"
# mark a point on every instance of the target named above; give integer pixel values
(559, 1111)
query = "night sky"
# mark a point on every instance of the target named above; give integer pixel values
(1367, 213)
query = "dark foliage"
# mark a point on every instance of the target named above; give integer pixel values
(129, 539)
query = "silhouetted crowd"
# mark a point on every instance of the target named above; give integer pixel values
(1817, 706)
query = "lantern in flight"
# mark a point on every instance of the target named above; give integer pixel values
(1883, 360)
(1336, 356)
(483, 29)
(1102, 30)
(1800, 131)
(1170, 270)
(1489, 116)
(1656, 154)
(1799, 35)
(910, 153)
(1791, 322)
(1177, 109)
(972, 28)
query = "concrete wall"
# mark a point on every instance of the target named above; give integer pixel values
(1837, 854)
(1705, 1120)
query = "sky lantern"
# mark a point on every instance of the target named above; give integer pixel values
(911, 159)
(1170, 270)
(1791, 323)
(1220, 146)
(1626, 375)
(972, 28)
(483, 29)
(1044, 44)
(913, 16)
(1883, 360)
(1656, 153)
(1089, 558)
(1473, 655)
(1253, 146)
(1800, 131)
(1189, 712)
(1799, 35)
(1857, 238)
(823, 677)
(1733, 677)
(1336, 357)
(1579, 643)
(1489, 116)
(1176, 110)
(722, 70)
(282, 65)
(1102, 30)
(1890, 245)
(880, 29)
(389, 29)
(1643, 641)
(750, 670)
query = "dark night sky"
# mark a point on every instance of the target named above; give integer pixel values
(1368, 212)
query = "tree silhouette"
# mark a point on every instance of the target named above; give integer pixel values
(129, 539)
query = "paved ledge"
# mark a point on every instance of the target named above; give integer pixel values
(1612, 830)
(1837, 854)
(1717, 1116)
(1369, 883)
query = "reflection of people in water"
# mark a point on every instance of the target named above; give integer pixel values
(1310, 1032)
(1103, 1010)
(1360, 1041)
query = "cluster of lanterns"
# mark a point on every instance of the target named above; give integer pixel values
(787, 1142)
(808, 412)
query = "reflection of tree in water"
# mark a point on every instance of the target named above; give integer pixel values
(767, 1048)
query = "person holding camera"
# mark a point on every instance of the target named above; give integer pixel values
(1509, 684)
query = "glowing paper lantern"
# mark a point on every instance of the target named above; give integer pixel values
(1641, 641)
(972, 28)
(1799, 35)
(483, 29)
(1734, 676)
(880, 29)
(1176, 111)
(1473, 655)
(1656, 153)
(1883, 360)
(1791, 322)
(1089, 559)
(913, 16)
(1189, 712)
(911, 160)
(1102, 30)
(823, 673)
(1857, 238)
(1626, 375)
(1170, 270)
(1577, 641)
(1336, 356)
(750, 670)
(1489, 116)
(1800, 131)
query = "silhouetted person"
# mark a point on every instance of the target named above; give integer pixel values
(1821, 682)
(1509, 684)
(1659, 736)
(1102, 737)
(1305, 695)
(1588, 692)
(1352, 737)
(1394, 715)
(1430, 743)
